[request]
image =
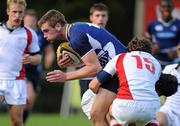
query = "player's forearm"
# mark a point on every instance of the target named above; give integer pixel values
(86, 71)
(36, 59)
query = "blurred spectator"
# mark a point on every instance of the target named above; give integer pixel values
(33, 71)
(165, 34)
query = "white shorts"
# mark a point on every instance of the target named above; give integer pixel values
(14, 91)
(172, 117)
(129, 111)
(87, 101)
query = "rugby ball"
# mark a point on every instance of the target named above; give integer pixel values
(64, 49)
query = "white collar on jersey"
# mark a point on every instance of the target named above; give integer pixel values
(166, 23)
(4, 24)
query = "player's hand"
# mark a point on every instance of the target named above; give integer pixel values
(94, 85)
(26, 59)
(64, 61)
(56, 76)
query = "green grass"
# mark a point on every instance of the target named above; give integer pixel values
(49, 120)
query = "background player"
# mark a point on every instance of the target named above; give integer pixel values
(95, 45)
(165, 34)
(33, 71)
(17, 41)
(136, 99)
(98, 14)
(169, 114)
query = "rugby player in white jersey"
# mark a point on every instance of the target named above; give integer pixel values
(169, 113)
(138, 72)
(18, 46)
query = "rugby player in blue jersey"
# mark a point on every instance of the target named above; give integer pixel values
(96, 46)
(165, 34)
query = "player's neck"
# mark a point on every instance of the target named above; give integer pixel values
(167, 19)
(11, 26)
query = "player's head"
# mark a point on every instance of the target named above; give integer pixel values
(166, 7)
(140, 44)
(51, 24)
(30, 18)
(98, 14)
(15, 12)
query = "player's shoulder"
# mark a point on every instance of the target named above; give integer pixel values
(153, 22)
(169, 68)
(177, 20)
(33, 33)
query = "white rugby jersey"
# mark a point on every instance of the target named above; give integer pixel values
(138, 72)
(12, 48)
(173, 101)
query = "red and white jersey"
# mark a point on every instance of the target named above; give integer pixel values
(12, 47)
(138, 72)
(173, 101)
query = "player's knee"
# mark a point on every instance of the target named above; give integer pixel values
(161, 118)
(17, 122)
(97, 115)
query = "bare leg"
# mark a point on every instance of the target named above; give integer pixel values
(162, 119)
(101, 106)
(16, 113)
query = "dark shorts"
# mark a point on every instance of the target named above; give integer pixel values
(34, 78)
(84, 86)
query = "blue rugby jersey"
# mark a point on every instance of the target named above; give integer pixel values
(84, 37)
(167, 35)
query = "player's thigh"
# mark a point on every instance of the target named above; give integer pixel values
(16, 111)
(102, 102)
(162, 119)
(15, 92)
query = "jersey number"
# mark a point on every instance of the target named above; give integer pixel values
(148, 63)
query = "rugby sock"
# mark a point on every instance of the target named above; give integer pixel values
(113, 122)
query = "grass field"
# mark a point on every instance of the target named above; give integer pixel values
(49, 120)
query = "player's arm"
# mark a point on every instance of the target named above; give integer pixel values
(90, 69)
(104, 75)
(34, 56)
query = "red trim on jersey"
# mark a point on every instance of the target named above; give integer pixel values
(29, 40)
(123, 92)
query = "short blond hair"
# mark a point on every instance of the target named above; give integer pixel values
(52, 17)
(21, 2)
